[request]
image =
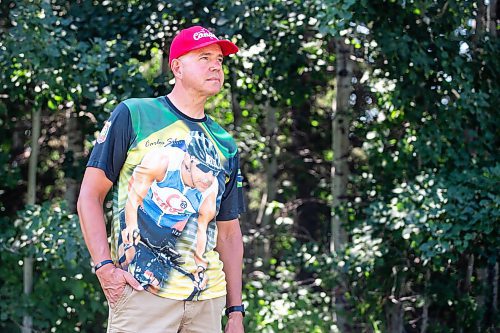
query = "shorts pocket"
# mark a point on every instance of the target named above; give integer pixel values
(127, 291)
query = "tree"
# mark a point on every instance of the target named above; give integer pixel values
(422, 139)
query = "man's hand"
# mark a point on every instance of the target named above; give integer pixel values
(113, 281)
(235, 323)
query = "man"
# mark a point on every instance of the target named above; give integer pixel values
(176, 246)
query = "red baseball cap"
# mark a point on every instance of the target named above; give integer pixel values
(194, 38)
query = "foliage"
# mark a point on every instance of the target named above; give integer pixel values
(425, 199)
(280, 302)
(49, 63)
(429, 226)
(422, 205)
(66, 295)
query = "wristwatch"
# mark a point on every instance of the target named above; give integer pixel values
(236, 308)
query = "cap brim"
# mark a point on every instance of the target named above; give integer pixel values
(226, 46)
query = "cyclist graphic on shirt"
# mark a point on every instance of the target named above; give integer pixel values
(169, 186)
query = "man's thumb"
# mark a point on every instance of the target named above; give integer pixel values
(132, 281)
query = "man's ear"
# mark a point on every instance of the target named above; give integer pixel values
(176, 67)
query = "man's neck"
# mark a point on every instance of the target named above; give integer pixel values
(191, 105)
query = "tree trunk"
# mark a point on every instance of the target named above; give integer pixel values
(491, 298)
(341, 119)
(165, 67)
(470, 271)
(340, 143)
(271, 161)
(481, 299)
(5, 23)
(394, 313)
(491, 28)
(427, 301)
(494, 285)
(28, 288)
(31, 200)
(271, 166)
(33, 161)
(394, 309)
(74, 151)
(467, 284)
(235, 104)
(480, 23)
(310, 212)
(492, 18)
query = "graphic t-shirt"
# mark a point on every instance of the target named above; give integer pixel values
(173, 177)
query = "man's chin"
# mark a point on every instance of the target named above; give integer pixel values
(214, 92)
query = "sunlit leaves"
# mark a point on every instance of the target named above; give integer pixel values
(66, 296)
(434, 117)
(281, 303)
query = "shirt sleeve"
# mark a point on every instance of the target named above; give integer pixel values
(232, 202)
(112, 144)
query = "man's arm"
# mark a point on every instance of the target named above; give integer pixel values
(95, 186)
(230, 249)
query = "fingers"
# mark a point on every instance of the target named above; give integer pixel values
(111, 286)
(132, 281)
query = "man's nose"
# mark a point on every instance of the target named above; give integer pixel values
(216, 65)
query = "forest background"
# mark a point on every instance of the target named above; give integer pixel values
(368, 133)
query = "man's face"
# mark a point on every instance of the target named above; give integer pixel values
(202, 178)
(202, 70)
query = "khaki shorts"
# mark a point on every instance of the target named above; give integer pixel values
(141, 311)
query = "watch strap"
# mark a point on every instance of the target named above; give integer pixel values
(235, 308)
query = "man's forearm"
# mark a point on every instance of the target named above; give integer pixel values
(231, 254)
(91, 214)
